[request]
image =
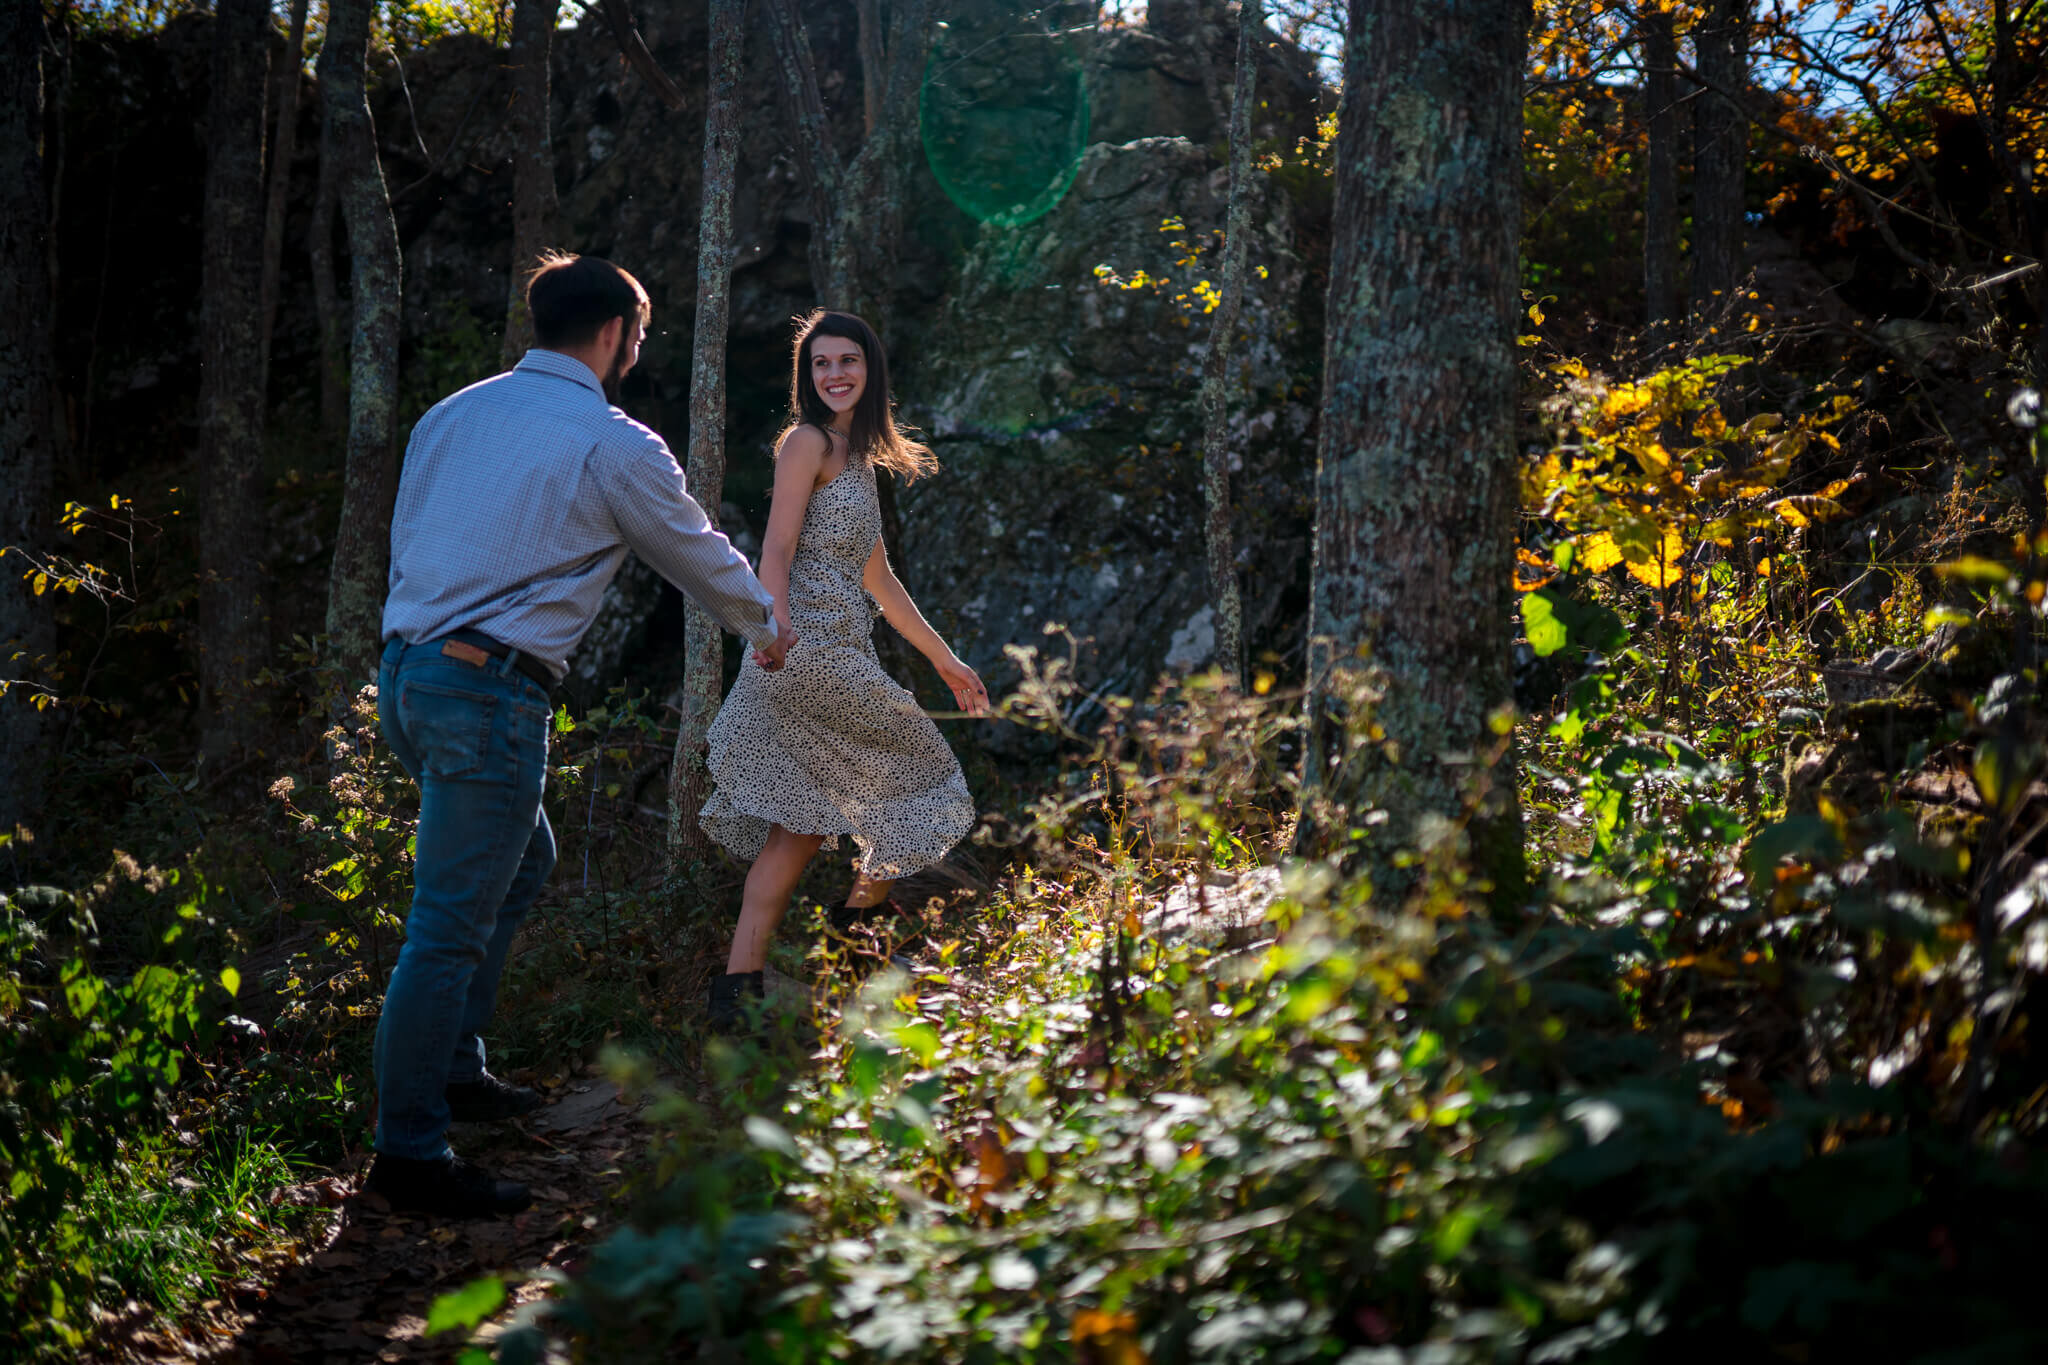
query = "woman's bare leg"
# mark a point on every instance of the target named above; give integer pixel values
(769, 883)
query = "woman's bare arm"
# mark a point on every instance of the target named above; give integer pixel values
(902, 613)
(797, 462)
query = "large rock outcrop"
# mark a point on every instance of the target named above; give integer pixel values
(1064, 404)
(1071, 467)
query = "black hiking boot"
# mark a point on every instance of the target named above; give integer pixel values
(736, 1002)
(451, 1187)
(489, 1100)
(843, 918)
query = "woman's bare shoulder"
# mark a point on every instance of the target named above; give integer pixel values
(804, 442)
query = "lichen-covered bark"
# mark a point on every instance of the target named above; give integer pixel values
(1415, 474)
(362, 542)
(533, 163)
(233, 639)
(327, 320)
(27, 425)
(703, 639)
(1720, 154)
(283, 145)
(1216, 447)
(1660, 197)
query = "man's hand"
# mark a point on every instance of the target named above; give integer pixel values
(771, 657)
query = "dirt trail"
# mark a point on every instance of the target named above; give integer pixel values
(360, 1289)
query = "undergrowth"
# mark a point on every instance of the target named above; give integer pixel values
(1748, 1075)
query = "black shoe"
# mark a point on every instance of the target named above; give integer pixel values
(489, 1100)
(736, 999)
(451, 1187)
(845, 917)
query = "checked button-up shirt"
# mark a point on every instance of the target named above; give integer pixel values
(517, 503)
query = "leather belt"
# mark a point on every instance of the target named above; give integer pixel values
(473, 647)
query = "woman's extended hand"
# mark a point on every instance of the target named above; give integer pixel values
(968, 692)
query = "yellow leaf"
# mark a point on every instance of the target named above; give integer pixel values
(1656, 461)
(42, 583)
(1570, 365)
(1808, 509)
(1625, 401)
(1660, 568)
(1598, 552)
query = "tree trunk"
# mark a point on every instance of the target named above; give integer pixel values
(284, 145)
(1415, 473)
(533, 163)
(857, 208)
(326, 303)
(28, 433)
(1720, 152)
(703, 638)
(362, 543)
(1217, 451)
(233, 642)
(1660, 198)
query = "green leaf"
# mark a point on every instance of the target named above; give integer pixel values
(1975, 569)
(1938, 617)
(921, 1039)
(770, 1136)
(231, 980)
(1547, 634)
(466, 1307)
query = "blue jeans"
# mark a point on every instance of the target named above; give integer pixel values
(476, 741)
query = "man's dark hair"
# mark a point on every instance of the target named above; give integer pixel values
(572, 297)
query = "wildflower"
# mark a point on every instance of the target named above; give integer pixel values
(283, 788)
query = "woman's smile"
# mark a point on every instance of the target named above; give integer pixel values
(839, 370)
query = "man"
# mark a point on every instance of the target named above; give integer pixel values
(519, 499)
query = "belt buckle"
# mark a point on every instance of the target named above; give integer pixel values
(469, 654)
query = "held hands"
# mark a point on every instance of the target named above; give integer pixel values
(785, 638)
(968, 692)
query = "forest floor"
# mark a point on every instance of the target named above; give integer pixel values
(360, 1285)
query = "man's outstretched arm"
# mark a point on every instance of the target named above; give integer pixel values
(665, 526)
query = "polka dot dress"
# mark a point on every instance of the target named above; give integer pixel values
(829, 743)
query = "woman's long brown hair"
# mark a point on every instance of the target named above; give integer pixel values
(876, 437)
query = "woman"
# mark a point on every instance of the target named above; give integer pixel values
(829, 744)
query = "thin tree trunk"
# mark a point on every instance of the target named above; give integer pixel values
(868, 14)
(28, 434)
(284, 145)
(533, 163)
(1720, 154)
(817, 159)
(703, 639)
(1415, 472)
(1217, 451)
(232, 634)
(326, 302)
(362, 542)
(857, 208)
(1660, 198)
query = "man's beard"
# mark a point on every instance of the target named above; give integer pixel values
(616, 371)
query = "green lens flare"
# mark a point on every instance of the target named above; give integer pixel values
(1003, 117)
